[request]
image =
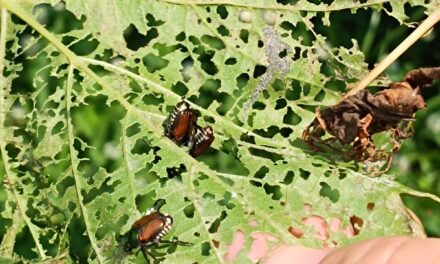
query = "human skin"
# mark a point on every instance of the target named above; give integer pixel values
(383, 250)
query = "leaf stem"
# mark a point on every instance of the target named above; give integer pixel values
(399, 50)
(9, 175)
(74, 165)
(130, 176)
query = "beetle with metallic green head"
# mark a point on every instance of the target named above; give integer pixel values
(148, 231)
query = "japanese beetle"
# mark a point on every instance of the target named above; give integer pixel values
(182, 128)
(180, 122)
(148, 231)
(200, 139)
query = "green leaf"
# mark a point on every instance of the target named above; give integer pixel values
(87, 86)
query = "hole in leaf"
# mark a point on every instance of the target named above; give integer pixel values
(357, 224)
(274, 190)
(180, 88)
(208, 93)
(306, 89)
(298, 32)
(258, 106)
(256, 183)
(283, 53)
(269, 132)
(58, 128)
(280, 103)
(181, 36)
(216, 243)
(370, 206)
(145, 201)
(265, 154)
(319, 224)
(296, 232)
(288, 179)
(57, 19)
(319, 97)
(213, 42)
(226, 101)
(342, 174)
(259, 70)
(85, 46)
(206, 248)
(222, 30)
(261, 172)
(297, 54)
(140, 147)
(235, 247)
(175, 171)
(244, 35)
(152, 22)
(216, 224)
(208, 196)
(242, 80)
(295, 92)
(278, 85)
(287, 2)
(222, 11)
(226, 201)
(151, 99)
(65, 184)
(231, 61)
(164, 50)
(304, 174)
(189, 211)
(291, 118)
(286, 132)
(154, 63)
(327, 191)
(136, 40)
(133, 130)
(205, 59)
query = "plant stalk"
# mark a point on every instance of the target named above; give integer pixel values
(426, 25)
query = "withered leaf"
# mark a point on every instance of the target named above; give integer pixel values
(356, 118)
(422, 77)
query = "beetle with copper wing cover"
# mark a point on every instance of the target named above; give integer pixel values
(148, 231)
(182, 128)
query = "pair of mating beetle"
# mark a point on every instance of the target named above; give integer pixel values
(148, 231)
(182, 128)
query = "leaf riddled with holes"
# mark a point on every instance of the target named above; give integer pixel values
(86, 88)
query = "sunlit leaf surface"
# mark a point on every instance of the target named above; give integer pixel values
(86, 88)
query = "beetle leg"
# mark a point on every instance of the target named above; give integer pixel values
(176, 241)
(146, 252)
(158, 204)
